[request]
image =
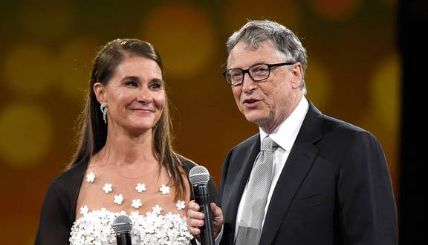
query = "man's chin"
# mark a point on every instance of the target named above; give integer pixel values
(255, 118)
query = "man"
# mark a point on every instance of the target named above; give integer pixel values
(328, 181)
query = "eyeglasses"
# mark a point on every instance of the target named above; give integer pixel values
(257, 72)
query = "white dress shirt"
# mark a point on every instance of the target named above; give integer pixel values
(284, 136)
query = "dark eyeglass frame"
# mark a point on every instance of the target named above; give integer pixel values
(249, 73)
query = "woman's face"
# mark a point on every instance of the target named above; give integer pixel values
(135, 95)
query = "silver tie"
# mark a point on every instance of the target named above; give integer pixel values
(250, 225)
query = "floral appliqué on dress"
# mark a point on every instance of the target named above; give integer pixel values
(152, 228)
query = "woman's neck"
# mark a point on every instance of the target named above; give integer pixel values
(127, 149)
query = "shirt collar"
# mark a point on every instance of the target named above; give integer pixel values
(284, 135)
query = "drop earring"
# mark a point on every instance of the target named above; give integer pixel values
(103, 108)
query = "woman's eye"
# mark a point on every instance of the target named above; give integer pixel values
(131, 83)
(155, 86)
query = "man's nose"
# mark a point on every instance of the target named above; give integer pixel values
(248, 83)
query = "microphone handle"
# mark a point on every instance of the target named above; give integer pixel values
(123, 239)
(202, 198)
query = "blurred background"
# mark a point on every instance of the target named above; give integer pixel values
(47, 47)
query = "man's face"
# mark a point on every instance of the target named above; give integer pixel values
(266, 103)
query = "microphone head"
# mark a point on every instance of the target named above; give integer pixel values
(122, 224)
(199, 175)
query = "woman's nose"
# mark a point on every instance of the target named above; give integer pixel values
(144, 95)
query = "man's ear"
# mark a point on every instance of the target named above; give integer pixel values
(99, 91)
(297, 72)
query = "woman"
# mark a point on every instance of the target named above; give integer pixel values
(124, 163)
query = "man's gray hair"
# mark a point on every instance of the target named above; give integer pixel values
(255, 32)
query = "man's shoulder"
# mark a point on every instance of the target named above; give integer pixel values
(330, 122)
(340, 129)
(338, 125)
(332, 128)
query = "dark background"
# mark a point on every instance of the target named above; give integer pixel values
(412, 19)
(364, 67)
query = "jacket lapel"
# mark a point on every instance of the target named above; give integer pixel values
(298, 164)
(237, 185)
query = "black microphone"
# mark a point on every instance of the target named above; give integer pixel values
(122, 226)
(199, 177)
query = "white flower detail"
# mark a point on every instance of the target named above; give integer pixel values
(136, 203)
(118, 199)
(107, 188)
(140, 187)
(157, 209)
(147, 228)
(84, 210)
(90, 177)
(164, 189)
(180, 205)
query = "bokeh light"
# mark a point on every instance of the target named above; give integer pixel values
(336, 10)
(46, 18)
(74, 67)
(25, 134)
(29, 69)
(180, 33)
(385, 91)
(237, 12)
(318, 83)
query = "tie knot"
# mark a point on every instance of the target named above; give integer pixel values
(267, 144)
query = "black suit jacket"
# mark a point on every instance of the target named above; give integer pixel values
(335, 188)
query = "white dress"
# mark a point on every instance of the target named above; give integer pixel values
(153, 228)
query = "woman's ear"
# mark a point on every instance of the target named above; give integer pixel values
(99, 92)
